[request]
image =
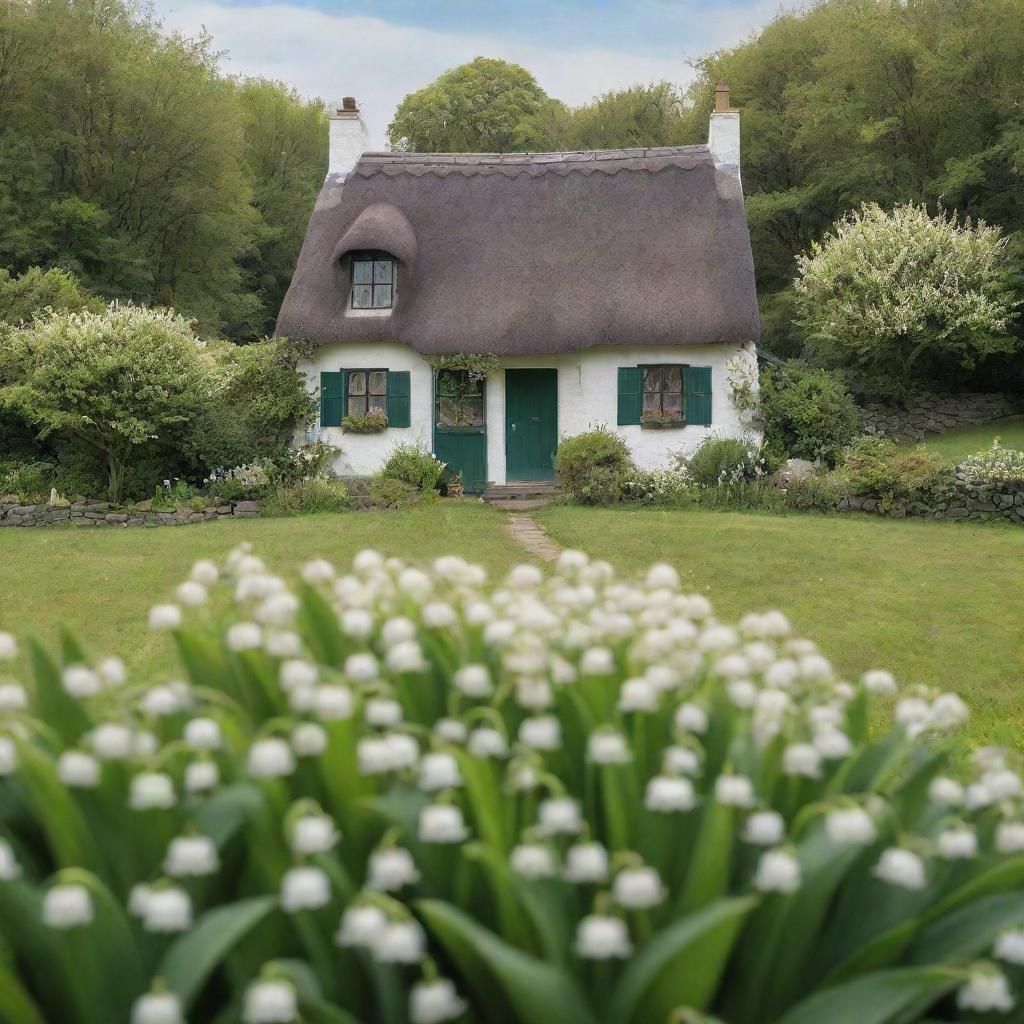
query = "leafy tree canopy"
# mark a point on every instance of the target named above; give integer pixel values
(476, 107)
(134, 164)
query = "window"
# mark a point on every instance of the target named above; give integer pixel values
(373, 280)
(663, 394)
(367, 391)
(460, 399)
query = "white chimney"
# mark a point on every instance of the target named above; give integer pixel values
(724, 132)
(348, 139)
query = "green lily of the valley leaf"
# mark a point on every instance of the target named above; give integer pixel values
(968, 932)
(194, 957)
(535, 990)
(682, 965)
(883, 997)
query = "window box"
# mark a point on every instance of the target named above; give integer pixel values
(661, 424)
(373, 422)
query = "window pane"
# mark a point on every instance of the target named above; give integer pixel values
(673, 378)
(382, 271)
(362, 272)
(473, 412)
(652, 402)
(362, 296)
(357, 382)
(357, 405)
(378, 382)
(652, 378)
(673, 405)
(381, 296)
(447, 412)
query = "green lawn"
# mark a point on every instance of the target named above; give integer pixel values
(938, 603)
(956, 445)
(935, 602)
(101, 582)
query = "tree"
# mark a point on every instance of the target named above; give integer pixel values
(476, 107)
(111, 382)
(153, 178)
(894, 297)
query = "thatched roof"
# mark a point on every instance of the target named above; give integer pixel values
(533, 253)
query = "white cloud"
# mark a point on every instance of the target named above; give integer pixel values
(330, 55)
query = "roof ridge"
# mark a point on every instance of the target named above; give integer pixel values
(529, 157)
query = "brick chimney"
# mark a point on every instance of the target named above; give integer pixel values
(724, 132)
(348, 138)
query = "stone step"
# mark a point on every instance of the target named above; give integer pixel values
(526, 491)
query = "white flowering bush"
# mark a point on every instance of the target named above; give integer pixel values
(893, 297)
(995, 465)
(393, 796)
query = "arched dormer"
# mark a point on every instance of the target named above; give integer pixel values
(378, 242)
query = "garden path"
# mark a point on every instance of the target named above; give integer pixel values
(532, 536)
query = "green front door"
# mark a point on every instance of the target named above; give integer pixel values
(531, 424)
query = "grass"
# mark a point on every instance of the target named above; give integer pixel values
(956, 445)
(101, 582)
(934, 602)
(938, 603)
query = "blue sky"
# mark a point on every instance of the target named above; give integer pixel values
(382, 50)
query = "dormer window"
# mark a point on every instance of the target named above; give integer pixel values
(373, 280)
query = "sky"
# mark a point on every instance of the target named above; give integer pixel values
(379, 51)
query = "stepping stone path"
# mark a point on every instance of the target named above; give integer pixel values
(533, 537)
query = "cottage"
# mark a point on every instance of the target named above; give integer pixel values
(601, 287)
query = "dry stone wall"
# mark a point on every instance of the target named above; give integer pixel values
(101, 513)
(962, 500)
(926, 413)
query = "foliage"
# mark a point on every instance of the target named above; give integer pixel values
(893, 298)
(415, 465)
(112, 382)
(30, 481)
(805, 414)
(995, 465)
(36, 290)
(172, 494)
(898, 476)
(592, 467)
(307, 497)
(476, 107)
(719, 461)
(103, 183)
(476, 366)
(703, 825)
(850, 101)
(373, 422)
(390, 492)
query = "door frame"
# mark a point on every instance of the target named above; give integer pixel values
(508, 430)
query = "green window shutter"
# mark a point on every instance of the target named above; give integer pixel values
(631, 397)
(331, 397)
(698, 395)
(398, 399)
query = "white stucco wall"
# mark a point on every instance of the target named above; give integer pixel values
(587, 396)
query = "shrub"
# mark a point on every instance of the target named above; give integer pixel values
(307, 497)
(112, 382)
(718, 461)
(38, 290)
(414, 465)
(30, 481)
(387, 492)
(898, 476)
(806, 414)
(664, 487)
(893, 297)
(592, 466)
(994, 465)
(682, 819)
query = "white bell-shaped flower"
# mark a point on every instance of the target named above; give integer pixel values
(67, 906)
(434, 1001)
(305, 888)
(360, 925)
(600, 937)
(270, 1002)
(191, 857)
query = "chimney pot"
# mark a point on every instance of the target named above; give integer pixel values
(349, 103)
(722, 99)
